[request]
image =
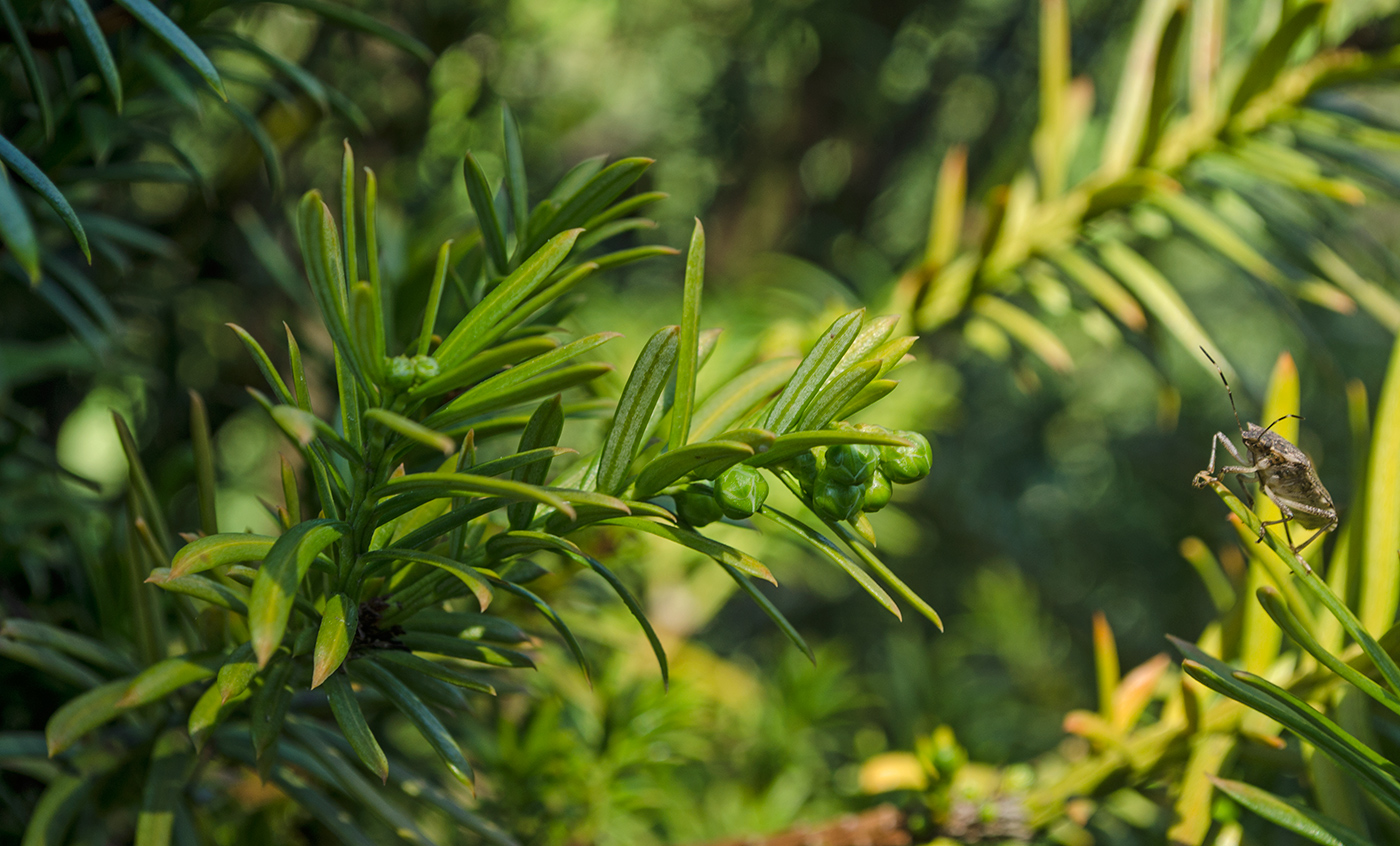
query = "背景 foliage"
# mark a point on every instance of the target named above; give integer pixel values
(1088, 221)
(1239, 149)
(1265, 139)
(1321, 699)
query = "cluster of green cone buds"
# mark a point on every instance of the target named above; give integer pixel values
(844, 480)
(838, 482)
(403, 372)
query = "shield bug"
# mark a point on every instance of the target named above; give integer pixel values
(1285, 474)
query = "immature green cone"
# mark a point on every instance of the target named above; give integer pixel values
(740, 491)
(400, 373)
(697, 506)
(836, 501)
(425, 367)
(851, 464)
(903, 465)
(806, 467)
(877, 493)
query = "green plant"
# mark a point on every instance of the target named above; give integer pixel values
(383, 575)
(1155, 726)
(1336, 691)
(1245, 159)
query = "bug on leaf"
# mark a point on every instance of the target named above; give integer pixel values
(1285, 474)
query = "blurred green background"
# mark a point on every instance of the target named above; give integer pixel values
(806, 136)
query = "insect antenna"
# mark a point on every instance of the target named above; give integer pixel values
(1281, 419)
(1229, 393)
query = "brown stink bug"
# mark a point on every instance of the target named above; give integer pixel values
(1284, 472)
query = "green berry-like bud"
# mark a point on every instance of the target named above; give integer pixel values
(836, 501)
(425, 367)
(806, 467)
(740, 491)
(877, 493)
(400, 372)
(903, 465)
(851, 464)
(697, 506)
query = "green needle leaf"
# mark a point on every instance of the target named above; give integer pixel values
(268, 711)
(727, 556)
(17, 230)
(1131, 107)
(82, 714)
(472, 334)
(1162, 300)
(812, 372)
(412, 430)
(523, 542)
(502, 383)
(339, 622)
(201, 443)
(554, 620)
(466, 650)
(670, 466)
(355, 19)
(1026, 329)
(470, 576)
(97, 43)
(543, 430)
(425, 336)
(1277, 608)
(346, 710)
(79, 646)
(30, 173)
(209, 711)
(1294, 817)
(833, 553)
(367, 330)
(462, 484)
(838, 393)
(735, 399)
(165, 677)
(433, 669)
(768, 608)
(175, 38)
(171, 765)
(278, 578)
(483, 203)
(619, 209)
(1266, 64)
(795, 443)
(217, 550)
(265, 366)
(233, 599)
(419, 714)
(516, 186)
(688, 364)
(635, 407)
(1379, 590)
(484, 364)
(236, 673)
(20, 39)
(594, 196)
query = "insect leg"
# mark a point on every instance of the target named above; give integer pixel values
(1287, 513)
(1210, 470)
(1221, 439)
(1311, 539)
(1330, 514)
